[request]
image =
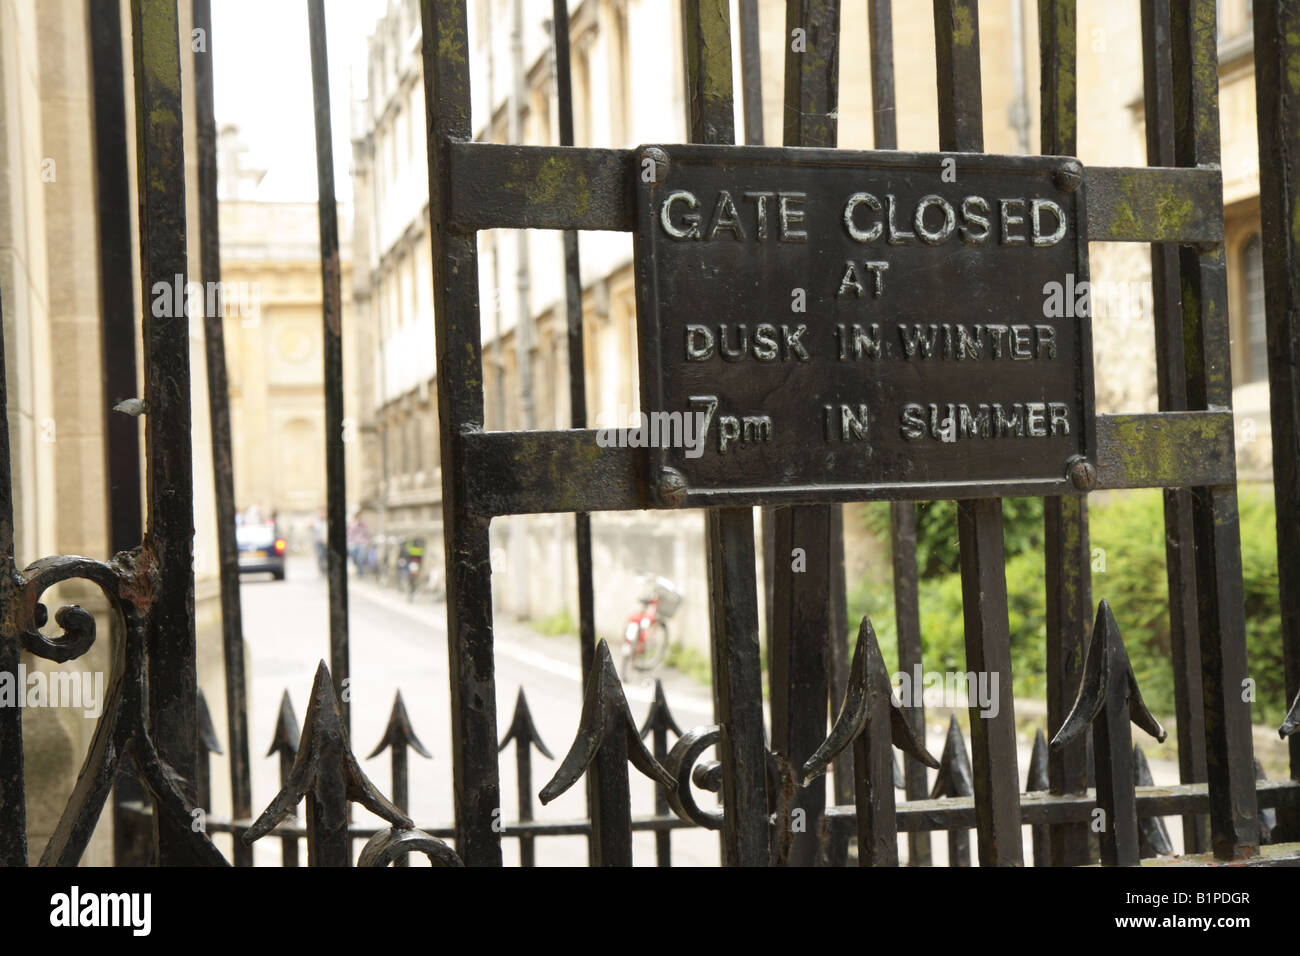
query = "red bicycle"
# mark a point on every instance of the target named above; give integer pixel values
(645, 638)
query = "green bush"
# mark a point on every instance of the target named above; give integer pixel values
(1128, 542)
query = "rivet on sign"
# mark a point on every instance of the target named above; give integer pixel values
(671, 487)
(660, 159)
(1069, 177)
(1083, 473)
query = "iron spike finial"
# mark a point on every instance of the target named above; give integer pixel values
(399, 732)
(1106, 671)
(522, 729)
(207, 732)
(659, 717)
(955, 777)
(868, 680)
(1038, 777)
(604, 713)
(1109, 701)
(286, 738)
(325, 759)
(1292, 720)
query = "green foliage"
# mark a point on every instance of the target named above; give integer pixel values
(553, 625)
(937, 548)
(1128, 549)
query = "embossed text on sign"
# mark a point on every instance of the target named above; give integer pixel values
(823, 324)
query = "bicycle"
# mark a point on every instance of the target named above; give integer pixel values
(645, 637)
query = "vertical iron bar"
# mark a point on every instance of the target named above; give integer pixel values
(799, 645)
(13, 786)
(524, 774)
(577, 369)
(838, 629)
(907, 618)
(285, 743)
(751, 73)
(1234, 813)
(1065, 518)
(799, 658)
(169, 537)
(332, 338)
(737, 686)
(1277, 92)
(729, 532)
(979, 522)
(476, 779)
(880, 33)
(1171, 389)
(401, 789)
(232, 628)
(994, 762)
(902, 514)
(132, 837)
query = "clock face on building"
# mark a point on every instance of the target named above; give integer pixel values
(294, 343)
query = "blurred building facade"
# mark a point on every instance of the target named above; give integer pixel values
(271, 278)
(628, 84)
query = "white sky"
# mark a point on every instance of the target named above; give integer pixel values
(262, 79)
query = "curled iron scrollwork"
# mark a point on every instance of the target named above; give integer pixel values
(128, 582)
(387, 846)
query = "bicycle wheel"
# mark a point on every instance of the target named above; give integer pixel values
(655, 649)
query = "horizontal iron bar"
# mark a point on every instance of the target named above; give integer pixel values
(517, 829)
(541, 187)
(1154, 204)
(958, 813)
(559, 471)
(945, 813)
(555, 187)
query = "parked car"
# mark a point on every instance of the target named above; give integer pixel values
(261, 549)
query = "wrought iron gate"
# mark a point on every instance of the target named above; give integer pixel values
(151, 720)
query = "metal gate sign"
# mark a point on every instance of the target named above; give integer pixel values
(819, 324)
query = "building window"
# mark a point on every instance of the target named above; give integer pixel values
(1252, 270)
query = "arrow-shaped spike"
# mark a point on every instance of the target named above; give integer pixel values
(871, 719)
(1106, 671)
(208, 745)
(604, 707)
(1292, 720)
(1038, 779)
(658, 721)
(868, 683)
(607, 736)
(1153, 838)
(285, 743)
(525, 736)
(207, 733)
(955, 779)
(1110, 700)
(659, 716)
(399, 733)
(326, 769)
(522, 729)
(285, 740)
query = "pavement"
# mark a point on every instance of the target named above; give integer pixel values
(396, 644)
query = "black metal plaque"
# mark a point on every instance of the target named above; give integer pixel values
(832, 324)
